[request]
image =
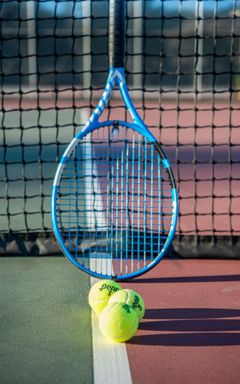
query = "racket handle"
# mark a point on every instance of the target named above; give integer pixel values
(116, 40)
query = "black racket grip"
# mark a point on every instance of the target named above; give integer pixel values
(116, 40)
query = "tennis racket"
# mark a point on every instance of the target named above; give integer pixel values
(114, 201)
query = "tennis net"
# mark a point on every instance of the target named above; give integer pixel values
(183, 71)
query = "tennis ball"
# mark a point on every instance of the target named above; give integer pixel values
(132, 298)
(100, 293)
(118, 322)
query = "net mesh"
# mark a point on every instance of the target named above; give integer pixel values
(183, 72)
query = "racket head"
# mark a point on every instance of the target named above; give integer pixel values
(114, 201)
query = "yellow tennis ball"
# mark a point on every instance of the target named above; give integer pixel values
(132, 298)
(100, 293)
(118, 322)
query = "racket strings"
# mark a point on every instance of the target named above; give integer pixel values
(115, 198)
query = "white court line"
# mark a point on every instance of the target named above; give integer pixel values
(110, 360)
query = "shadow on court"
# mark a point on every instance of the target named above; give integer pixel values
(192, 313)
(188, 279)
(190, 327)
(189, 339)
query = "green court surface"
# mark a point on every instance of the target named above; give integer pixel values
(45, 322)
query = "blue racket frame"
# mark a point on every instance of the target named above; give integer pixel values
(116, 76)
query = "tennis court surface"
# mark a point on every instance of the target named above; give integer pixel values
(183, 74)
(190, 333)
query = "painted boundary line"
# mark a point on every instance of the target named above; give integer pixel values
(110, 360)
